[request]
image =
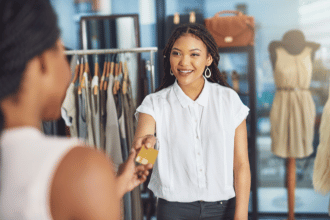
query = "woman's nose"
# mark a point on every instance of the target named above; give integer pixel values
(185, 60)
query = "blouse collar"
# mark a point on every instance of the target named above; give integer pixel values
(186, 101)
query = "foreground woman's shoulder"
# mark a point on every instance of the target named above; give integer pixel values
(83, 186)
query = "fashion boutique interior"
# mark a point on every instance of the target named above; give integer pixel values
(275, 55)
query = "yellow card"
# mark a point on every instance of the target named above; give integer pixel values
(146, 156)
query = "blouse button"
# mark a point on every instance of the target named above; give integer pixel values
(200, 170)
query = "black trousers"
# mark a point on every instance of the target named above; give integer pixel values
(199, 210)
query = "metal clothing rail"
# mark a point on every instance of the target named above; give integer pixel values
(151, 50)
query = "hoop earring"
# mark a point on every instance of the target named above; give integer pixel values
(207, 74)
(171, 73)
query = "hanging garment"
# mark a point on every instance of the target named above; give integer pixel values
(103, 115)
(130, 126)
(82, 124)
(293, 112)
(125, 152)
(321, 174)
(137, 210)
(96, 117)
(103, 118)
(122, 130)
(129, 110)
(87, 90)
(103, 99)
(112, 138)
(50, 127)
(69, 113)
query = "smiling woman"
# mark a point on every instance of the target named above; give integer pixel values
(201, 130)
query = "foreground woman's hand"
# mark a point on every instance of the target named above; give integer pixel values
(130, 175)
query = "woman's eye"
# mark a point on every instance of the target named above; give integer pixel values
(195, 54)
(175, 53)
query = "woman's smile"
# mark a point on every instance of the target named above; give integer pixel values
(185, 72)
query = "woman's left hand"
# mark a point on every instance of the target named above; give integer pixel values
(130, 176)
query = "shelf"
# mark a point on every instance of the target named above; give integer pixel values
(252, 119)
(243, 93)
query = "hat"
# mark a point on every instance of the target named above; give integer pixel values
(294, 41)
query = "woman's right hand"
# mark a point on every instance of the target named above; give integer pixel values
(148, 141)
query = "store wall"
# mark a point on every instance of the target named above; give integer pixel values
(65, 12)
(147, 17)
(125, 7)
(184, 6)
(69, 20)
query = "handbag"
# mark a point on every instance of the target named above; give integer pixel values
(231, 31)
(174, 21)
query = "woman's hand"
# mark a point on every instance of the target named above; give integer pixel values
(130, 176)
(148, 141)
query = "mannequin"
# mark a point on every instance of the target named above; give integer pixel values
(287, 100)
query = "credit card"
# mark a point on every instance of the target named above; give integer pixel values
(146, 156)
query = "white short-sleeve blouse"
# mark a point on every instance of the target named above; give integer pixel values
(195, 142)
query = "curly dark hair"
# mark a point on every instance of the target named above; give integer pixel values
(212, 49)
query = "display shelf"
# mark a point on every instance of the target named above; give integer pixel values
(243, 94)
(252, 119)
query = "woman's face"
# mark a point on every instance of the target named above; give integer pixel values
(188, 59)
(58, 83)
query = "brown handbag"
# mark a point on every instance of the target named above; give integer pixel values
(231, 31)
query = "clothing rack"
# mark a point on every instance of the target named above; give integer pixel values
(105, 119)
(151, 50)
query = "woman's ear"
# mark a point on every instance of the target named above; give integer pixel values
(42, 60)
(209, 60)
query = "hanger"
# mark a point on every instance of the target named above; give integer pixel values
(115, 85)
(76, 72)
(120, 73)
(124, 86)
(106, 78)
(104, 72)
(112, 65)
(81, 70)
(87, 70)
